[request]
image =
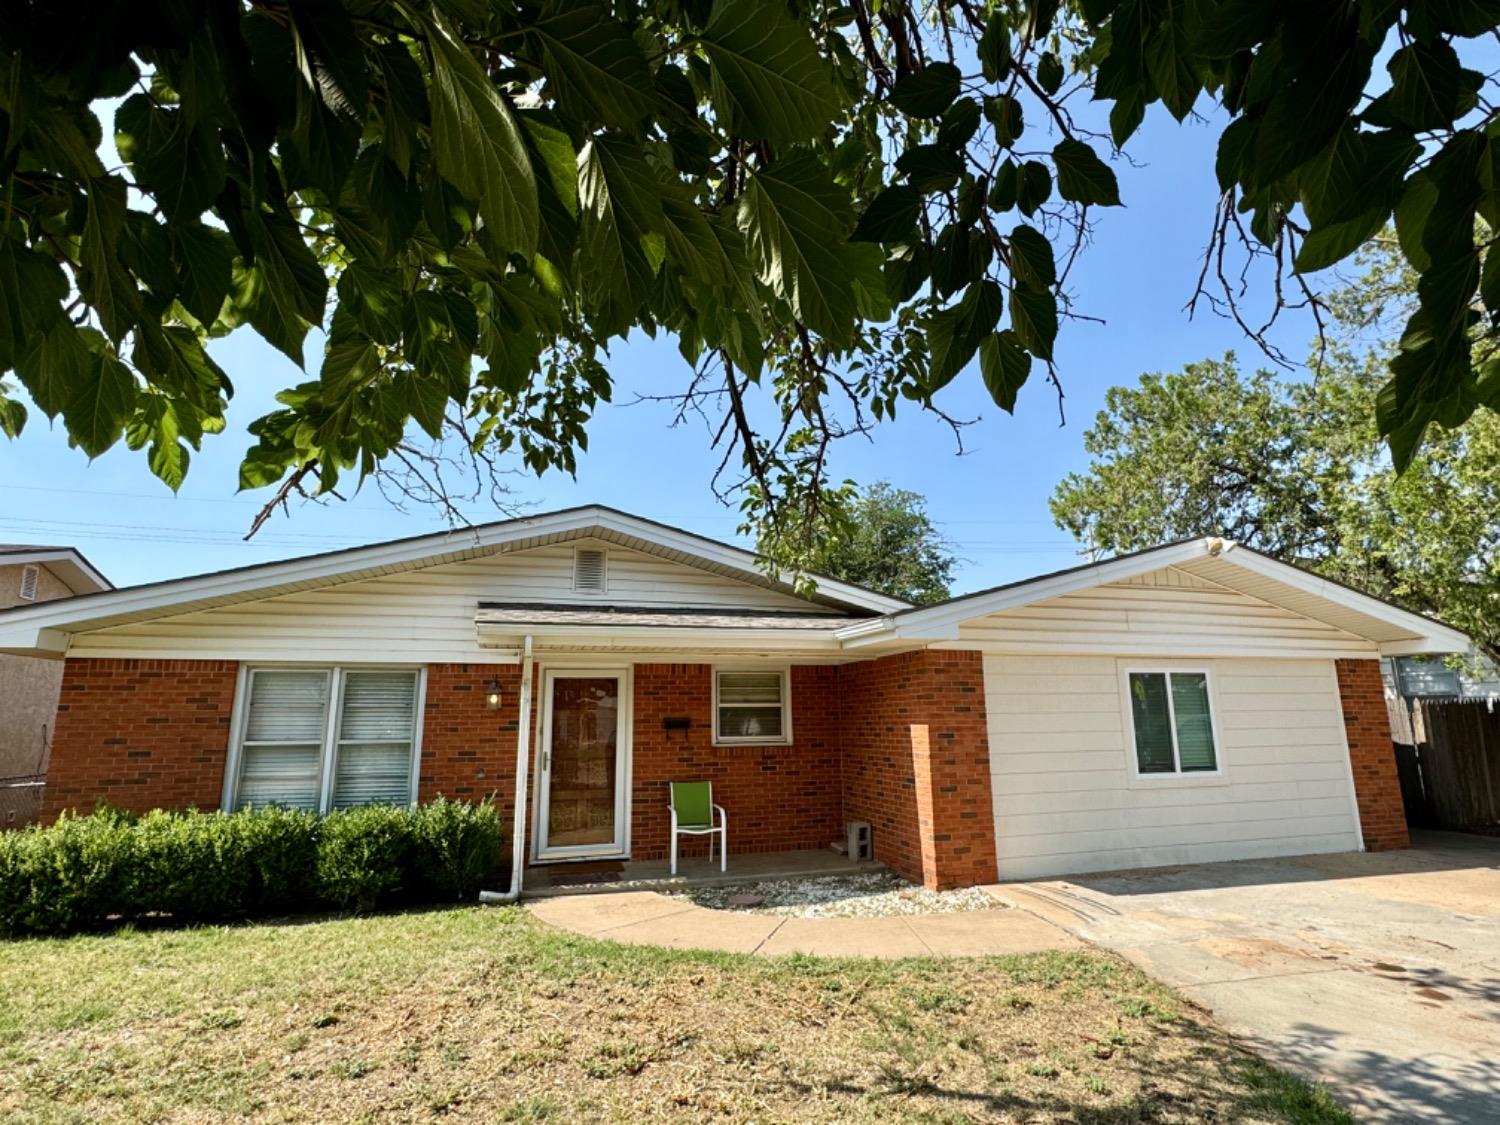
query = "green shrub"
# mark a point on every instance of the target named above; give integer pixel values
(74, 874)
(85, 871)
(192, 866)
(282, 846)
(365, 856)
(458, 848)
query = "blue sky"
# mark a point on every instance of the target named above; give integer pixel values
(991, 503)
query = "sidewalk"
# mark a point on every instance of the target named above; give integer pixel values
(648, 918)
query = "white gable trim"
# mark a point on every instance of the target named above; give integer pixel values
(21, 629)
(939, 624)
(66, 564)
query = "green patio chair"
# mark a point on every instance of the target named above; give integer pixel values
(695, 814)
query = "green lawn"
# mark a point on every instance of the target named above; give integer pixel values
(481, 1014)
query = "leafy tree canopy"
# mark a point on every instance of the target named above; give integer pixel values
(880, 537)
(833, 207)
(1297, 469)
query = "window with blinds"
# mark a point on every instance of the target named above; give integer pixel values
(1173, 723)
(291, 754)
(751, 706)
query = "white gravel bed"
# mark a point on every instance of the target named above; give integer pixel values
(878, 894)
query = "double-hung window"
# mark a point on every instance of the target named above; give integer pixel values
(327, 738)
(1172, 719)
(752, 706)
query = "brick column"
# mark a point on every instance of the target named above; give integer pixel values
(141, 735)
(917, 764)
(1367, 725)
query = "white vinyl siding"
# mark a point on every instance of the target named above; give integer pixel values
(1061, 770)
(422, 615)
(1165, 613)
(289, 753)
(752, 706)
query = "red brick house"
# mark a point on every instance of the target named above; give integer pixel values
(1194, 702)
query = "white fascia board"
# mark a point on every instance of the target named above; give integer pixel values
(634, 637)
(73, 569)
(440, 547)
(1443, 638)
(940, 622)
(50, 644)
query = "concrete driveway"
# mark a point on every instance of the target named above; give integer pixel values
(1378, 975)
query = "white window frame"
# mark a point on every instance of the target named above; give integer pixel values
(1135, 779)
(782, 739)
(327, 762)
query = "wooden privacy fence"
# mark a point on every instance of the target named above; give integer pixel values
(1460, 762)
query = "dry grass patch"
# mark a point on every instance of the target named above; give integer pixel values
(475, 1014)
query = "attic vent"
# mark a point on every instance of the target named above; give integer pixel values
(589, 571)
(29, 576)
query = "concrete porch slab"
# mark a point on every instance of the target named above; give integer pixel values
(656, 875)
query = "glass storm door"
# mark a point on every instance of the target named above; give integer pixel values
(582, 790)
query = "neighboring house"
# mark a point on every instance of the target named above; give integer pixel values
(1194, 702)
(31, 575)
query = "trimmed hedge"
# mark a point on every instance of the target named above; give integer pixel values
(89, 871)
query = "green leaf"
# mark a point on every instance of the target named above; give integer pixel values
(994, 47)
(169, 461)
(1033, 315)
(96, 412)
(1033, 188)
(335, 52)
(954, 334)
(1416, 203)
(593, 66)
(769, 80)
(103, 281)
(623, 229)
(1170, 60)
(180, 164)
(891, 215)
(1125, 117)
(12, 416)
(1426, 81)
(926, 93)
(57, 363)
(1003, 190)
(1082, 177)
(477, 145)
(1005, 366)
(930, 167)
(795, 219)
(1334, 242)
(204, 258)
(1049, 72)
(1031, 257)
(1465, 18)
(959, 124)
(31, 289)
(870, 296)
(959, 256)
(1004, 114)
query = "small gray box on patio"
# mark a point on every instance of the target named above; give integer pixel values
(861, 840)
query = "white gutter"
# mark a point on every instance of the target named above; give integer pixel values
(523, 761)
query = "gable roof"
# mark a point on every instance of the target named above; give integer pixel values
(267, 580)
(1394, 630)
(67, 563)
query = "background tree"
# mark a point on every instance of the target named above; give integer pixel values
(1297, 469)
(834, 207)
(883, 539)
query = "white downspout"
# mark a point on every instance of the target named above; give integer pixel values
(523, 762)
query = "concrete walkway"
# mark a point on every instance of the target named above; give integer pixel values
(1377, 974)
(648, 918)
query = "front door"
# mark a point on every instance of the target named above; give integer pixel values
(581, 790)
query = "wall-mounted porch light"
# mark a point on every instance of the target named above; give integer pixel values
(493, 697)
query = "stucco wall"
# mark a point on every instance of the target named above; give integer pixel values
(28, 686)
